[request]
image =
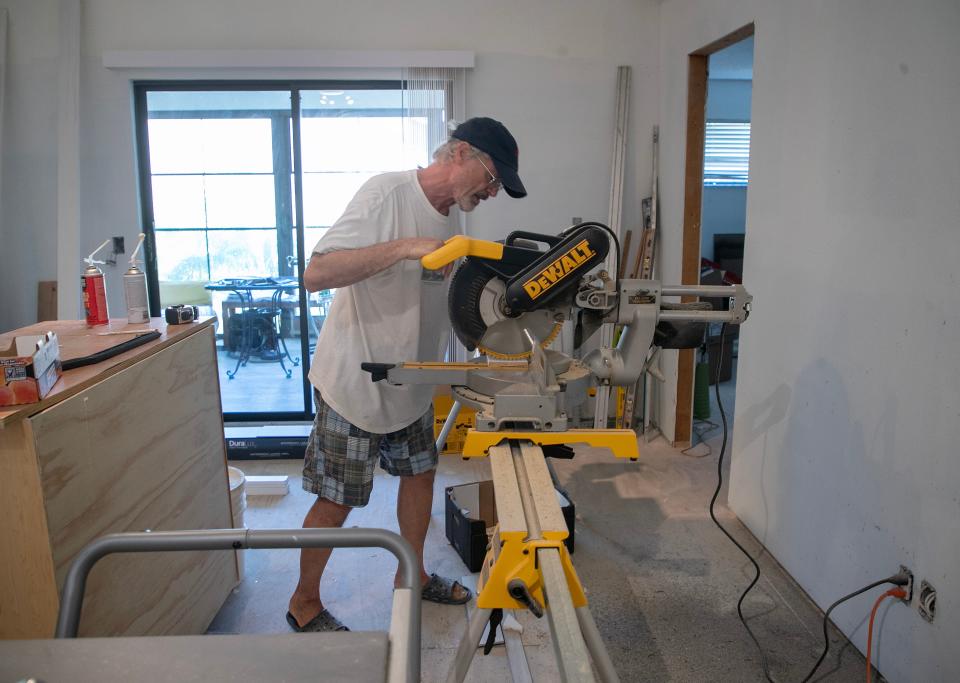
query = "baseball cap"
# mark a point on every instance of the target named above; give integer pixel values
(492, 137)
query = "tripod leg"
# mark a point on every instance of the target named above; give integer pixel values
(468, 646)
(598, 651)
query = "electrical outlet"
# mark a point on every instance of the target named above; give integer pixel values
(117, 245)
(909, 586)
(927, 601)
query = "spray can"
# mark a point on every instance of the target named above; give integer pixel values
(135, 289)
(94, 290)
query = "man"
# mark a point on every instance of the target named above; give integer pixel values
(387, 309)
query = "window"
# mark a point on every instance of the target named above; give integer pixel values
(726, 157)
(239, 182)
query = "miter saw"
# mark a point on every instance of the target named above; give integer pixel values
(508, 301)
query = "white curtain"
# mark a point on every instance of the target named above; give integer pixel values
(434, 102)
(433, 98)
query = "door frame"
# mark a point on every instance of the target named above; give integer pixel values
(692, 211)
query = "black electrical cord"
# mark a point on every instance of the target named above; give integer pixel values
(706, 426)
(713, 516)
(110, 352)
(896, 579)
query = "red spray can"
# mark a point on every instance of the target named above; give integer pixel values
(94, 291)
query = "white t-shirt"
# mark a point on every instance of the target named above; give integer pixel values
(396, 315)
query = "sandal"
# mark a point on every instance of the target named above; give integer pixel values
(439, 589)
(320, 623)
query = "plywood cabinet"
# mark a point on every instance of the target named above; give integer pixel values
(134, 445)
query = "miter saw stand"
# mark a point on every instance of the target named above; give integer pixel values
(521, 419)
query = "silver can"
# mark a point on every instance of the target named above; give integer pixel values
(135, 293)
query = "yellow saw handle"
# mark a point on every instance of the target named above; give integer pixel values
(460, 245)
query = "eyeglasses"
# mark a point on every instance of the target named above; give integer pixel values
(494, 180)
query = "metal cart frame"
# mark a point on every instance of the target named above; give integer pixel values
(404, 634)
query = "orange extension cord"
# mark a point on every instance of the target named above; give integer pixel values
(892, 593)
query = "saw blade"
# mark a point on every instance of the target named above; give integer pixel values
(504, 336)
(476, 309)
(544, 343)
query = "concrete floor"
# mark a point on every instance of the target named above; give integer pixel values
(662, 581)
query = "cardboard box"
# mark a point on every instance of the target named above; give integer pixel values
(471, 514)
(466, 418)
(267, 442)
(30, 368)
(569, 511)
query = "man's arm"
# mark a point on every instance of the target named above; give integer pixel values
(348, 266)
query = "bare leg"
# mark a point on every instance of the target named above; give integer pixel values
(414, 503)
(305, 603)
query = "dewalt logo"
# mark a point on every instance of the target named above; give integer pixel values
(558, 270)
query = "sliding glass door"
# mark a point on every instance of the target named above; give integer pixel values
(238, 183)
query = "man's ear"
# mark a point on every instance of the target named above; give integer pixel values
(460, 151)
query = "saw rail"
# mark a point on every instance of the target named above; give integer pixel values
(528, 566)
(621, 442)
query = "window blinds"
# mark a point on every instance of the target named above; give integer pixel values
(726, 158)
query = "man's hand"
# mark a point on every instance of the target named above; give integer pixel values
(421, 246)
(418, 247)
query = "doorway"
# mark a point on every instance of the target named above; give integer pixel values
(714, 228)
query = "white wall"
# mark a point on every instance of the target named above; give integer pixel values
(545, 68)
(847, 423)
(28, 203)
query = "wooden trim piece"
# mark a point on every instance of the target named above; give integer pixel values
(692, 205)
(726, 41)
(692, 208)
(46, 300)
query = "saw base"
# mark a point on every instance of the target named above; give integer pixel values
(621, 442)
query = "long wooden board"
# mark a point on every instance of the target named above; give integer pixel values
(692, 205)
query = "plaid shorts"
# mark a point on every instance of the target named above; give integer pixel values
(340, 456)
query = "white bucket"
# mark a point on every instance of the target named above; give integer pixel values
(238, 503)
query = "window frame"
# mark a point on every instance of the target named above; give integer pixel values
(287, 172)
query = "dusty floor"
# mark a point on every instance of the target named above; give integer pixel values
(662, 581)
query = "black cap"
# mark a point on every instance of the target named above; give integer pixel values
(492, 137)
